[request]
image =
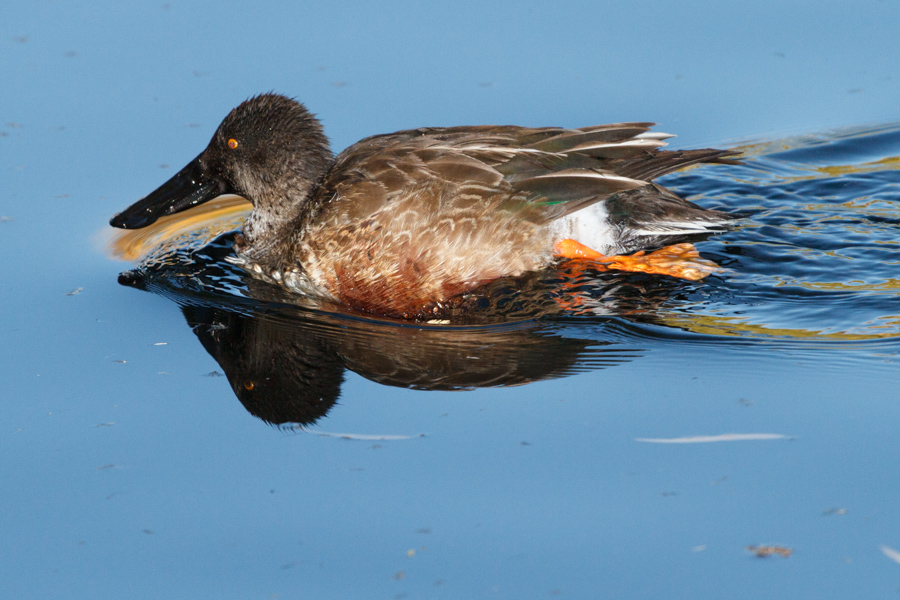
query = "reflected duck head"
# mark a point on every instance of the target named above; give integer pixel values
(270, 149)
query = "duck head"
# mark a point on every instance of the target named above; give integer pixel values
(269, 149)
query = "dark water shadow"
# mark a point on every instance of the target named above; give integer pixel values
(285, 356)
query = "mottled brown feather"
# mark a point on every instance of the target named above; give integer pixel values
(408, 220)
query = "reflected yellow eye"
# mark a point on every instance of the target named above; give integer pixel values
(249, 385)
(232, 143)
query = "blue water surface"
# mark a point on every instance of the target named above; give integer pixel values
(131, 469)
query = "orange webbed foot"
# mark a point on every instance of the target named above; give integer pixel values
(679, 260)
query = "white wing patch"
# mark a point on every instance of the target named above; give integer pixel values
(681, 228)
(589, 226)
(654, 135)
(648, 143)
(589, 174)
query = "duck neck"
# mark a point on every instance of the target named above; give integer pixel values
(282, 199)
(268, 229)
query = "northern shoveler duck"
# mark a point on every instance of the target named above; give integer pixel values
(397, 224)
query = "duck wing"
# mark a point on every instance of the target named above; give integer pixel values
(545, 173)
(408, 220)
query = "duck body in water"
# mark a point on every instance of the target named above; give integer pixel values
(398, 224)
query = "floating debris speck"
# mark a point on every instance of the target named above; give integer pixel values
(365, 436)
(705, 439)
(767, 551)
(892, 554)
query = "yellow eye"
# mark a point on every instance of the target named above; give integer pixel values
(249, 385)
(232, 143)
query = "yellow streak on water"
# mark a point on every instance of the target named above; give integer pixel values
(736, 327)
(208, 220)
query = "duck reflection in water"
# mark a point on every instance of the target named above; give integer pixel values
(292, 372)
(286, 362)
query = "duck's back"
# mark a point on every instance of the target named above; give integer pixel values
(407, 220)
